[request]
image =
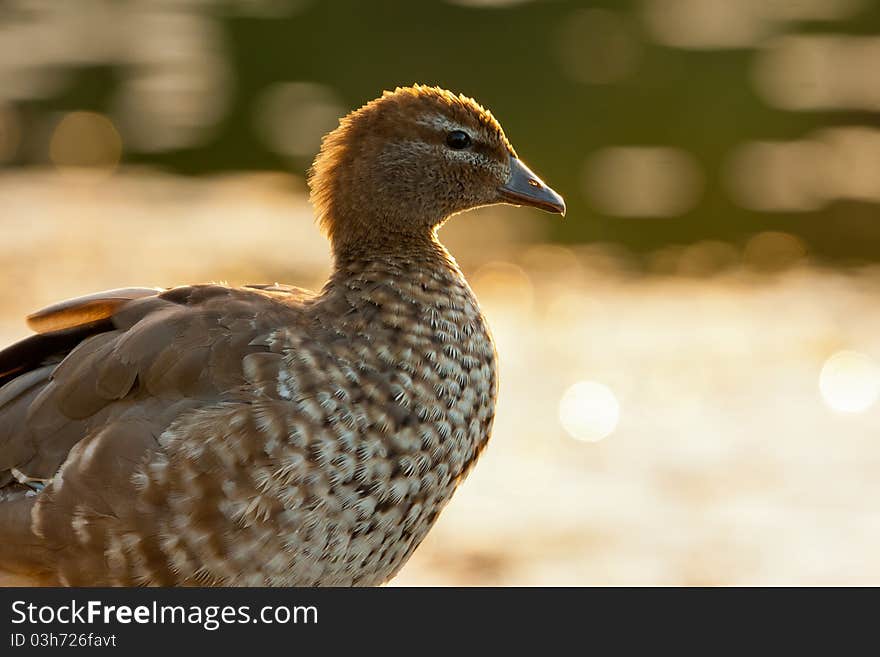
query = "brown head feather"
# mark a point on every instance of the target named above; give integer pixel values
(395, 146)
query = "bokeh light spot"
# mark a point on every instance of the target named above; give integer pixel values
(631, 181)
(589, 411)
(779, 176)
(85, 140)
(850, 382)
(181, 82)
(706, 258)
(292, 117)
(819, 72)
(704, 24)
(852, 166)
(774, 250)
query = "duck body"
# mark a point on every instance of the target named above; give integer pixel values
(266, 435)
(346, 420)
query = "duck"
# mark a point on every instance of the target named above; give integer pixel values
(266, 435)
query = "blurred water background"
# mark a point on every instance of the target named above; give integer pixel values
(690, 360)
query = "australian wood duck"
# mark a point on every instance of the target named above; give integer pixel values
(266, 435)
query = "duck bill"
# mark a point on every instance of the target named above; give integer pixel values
(525, 188)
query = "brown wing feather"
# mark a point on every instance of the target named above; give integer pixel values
(85, 310)
(121, 380)
(35, 350)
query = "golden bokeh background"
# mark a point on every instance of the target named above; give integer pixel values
(690, 360)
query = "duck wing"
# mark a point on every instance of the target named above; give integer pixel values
(125, 363)
(122, 346)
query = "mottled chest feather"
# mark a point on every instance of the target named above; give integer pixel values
(366, 416)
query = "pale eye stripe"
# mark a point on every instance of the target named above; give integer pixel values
(468, 156)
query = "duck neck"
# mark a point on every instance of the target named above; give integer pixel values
(402, 252)
(390, 240)
(393, 256)
(412, 289)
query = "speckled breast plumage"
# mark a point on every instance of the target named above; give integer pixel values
(363, 419)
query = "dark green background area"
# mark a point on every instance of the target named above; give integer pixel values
(702, 102)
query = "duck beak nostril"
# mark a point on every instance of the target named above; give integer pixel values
(525, 188)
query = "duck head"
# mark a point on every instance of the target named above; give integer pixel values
(399, 166)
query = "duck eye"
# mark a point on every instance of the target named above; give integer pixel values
(458, 139)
